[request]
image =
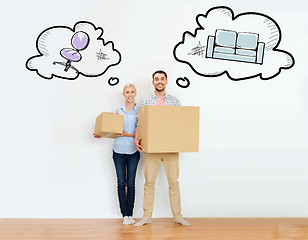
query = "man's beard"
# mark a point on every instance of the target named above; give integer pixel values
(160, 90)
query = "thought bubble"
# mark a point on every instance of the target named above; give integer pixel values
(183, 82)
(67, 53)
(113, 81)
(242, 46)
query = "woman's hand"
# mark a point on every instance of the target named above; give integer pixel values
(95, 136)
(123, 134)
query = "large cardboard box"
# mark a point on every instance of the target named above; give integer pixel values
(168, 128)
(109, 124)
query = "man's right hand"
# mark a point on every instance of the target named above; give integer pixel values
(137, 144)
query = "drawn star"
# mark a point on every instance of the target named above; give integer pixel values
(101, 56)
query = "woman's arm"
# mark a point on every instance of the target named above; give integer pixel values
(125, 134)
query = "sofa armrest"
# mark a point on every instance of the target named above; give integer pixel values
(210, 46)
(260, 52)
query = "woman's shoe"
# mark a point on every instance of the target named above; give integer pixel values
(126, 220)
(132, 221)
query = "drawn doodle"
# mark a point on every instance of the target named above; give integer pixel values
(67, 53)
(242, 47)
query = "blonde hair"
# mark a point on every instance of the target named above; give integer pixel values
(129, 85)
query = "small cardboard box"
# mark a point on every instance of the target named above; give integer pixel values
(168, 128)
(108, 124)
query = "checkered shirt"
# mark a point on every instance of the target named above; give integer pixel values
(152, 99)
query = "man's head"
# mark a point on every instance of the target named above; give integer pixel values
(159, 80)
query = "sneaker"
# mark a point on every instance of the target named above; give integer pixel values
(182, 221)
(142, 222)
(126, 220)
(132, 221)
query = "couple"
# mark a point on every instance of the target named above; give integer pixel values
(126, 154)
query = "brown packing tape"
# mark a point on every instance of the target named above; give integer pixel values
(108, 135)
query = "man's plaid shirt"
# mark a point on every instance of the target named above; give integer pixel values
(152, 99)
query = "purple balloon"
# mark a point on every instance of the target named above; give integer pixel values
(80, 40)
(70, 54)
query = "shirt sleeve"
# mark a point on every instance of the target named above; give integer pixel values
(176, 101)
(119, 110)
(137, 118)
(142, 102)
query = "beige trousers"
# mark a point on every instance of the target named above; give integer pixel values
(152, 163)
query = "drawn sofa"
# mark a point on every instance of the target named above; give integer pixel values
(230, 45)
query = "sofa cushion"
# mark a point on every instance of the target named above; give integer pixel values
(245, 52)
(224, 50)
(247, 40)
(225, 38)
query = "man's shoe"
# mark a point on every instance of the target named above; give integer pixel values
(181, 221)
(142, 221)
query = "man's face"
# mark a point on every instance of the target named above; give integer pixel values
(159, 82)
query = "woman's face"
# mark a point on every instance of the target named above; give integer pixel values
(129, 94)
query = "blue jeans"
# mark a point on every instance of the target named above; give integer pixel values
(126, 167)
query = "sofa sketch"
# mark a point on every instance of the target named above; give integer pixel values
(235, 46)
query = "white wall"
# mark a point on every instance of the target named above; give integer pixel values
(253, 133)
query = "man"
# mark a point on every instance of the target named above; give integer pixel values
(152, 161)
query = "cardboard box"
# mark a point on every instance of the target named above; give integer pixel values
(168, 128)
(109, 124)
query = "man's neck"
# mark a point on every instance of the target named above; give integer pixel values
(160, 93)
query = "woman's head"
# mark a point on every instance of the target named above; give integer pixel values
(129, 92)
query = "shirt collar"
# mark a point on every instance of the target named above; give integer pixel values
(155, 96)
(124, 108)
(135, 108)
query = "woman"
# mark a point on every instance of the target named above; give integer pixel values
(125, 154)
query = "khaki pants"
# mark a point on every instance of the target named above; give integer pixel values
(152, 163)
